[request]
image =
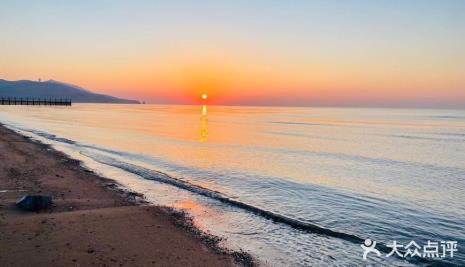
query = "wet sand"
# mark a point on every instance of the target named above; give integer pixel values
(91, 223)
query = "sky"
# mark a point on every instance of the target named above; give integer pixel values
(242, 52)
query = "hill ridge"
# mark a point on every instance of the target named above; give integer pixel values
(56, 89)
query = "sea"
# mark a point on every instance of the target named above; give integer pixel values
(291, 186)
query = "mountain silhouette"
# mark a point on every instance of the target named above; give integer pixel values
(55, 89)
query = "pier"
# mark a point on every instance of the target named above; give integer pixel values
(35, 101)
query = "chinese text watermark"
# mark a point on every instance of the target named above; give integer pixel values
(432, 249)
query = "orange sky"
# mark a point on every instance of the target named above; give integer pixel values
(323, 53)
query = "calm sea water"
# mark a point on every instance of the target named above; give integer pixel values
(292, 186)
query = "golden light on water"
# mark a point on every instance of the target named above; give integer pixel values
(204, 125)
(204, 120)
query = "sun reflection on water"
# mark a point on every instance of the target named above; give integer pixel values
(204, 125)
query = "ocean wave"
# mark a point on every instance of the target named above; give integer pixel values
(447, 117)
(299, 123)
(165, 178)
(438, 139)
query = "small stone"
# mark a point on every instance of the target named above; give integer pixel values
(34, 202)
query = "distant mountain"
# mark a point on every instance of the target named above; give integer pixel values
(55, 89)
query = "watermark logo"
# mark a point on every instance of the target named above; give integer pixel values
(432, 249)
(369, 246)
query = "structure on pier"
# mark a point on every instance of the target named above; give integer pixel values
(35, 101)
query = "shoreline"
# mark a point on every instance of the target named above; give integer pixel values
(93, 221)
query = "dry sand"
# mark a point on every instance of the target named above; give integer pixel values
(89, 224)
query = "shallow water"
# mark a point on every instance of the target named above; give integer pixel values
(292, 186)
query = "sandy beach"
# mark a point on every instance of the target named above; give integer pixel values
(91, 223)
